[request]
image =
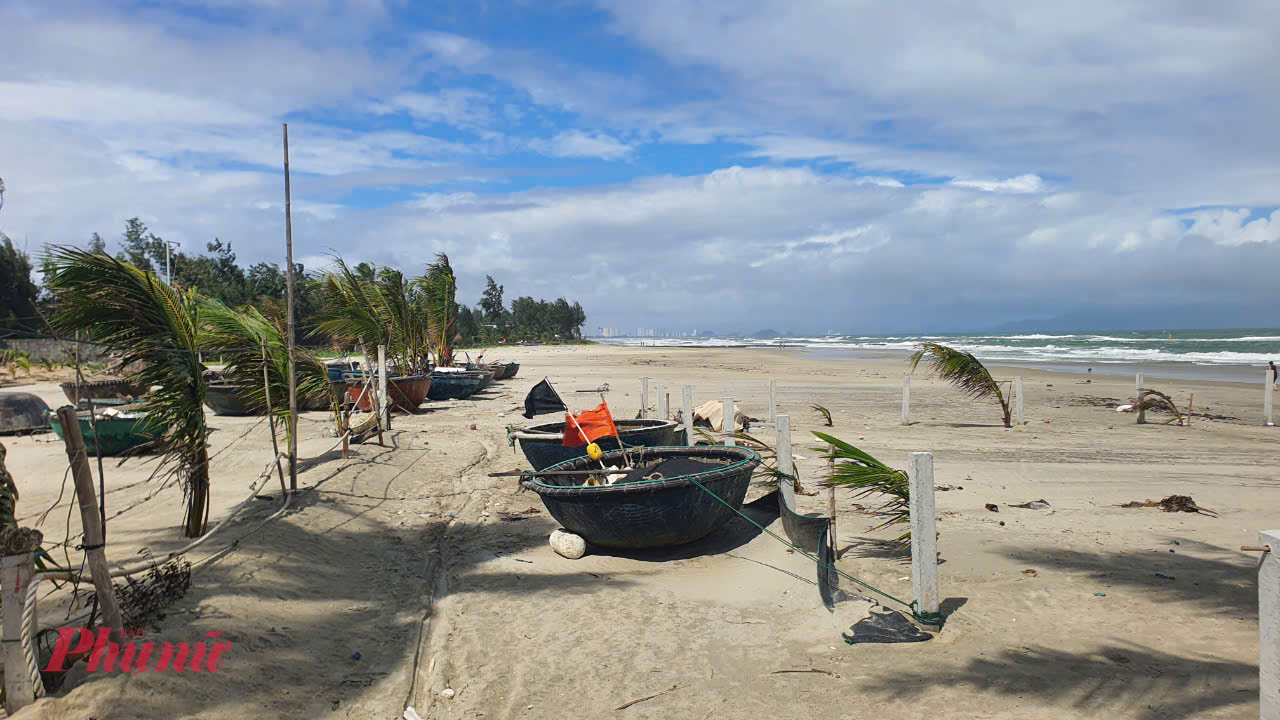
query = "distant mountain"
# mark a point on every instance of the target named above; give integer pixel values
(1184, 317)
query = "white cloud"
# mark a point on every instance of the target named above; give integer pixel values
(1020, 184)
(579, 144)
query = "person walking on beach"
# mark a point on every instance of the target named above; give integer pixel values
(1274, 374)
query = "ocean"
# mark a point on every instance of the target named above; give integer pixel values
(1228, 355)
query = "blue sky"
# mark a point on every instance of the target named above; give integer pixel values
(679, 163)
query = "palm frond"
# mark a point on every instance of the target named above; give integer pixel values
(1156, 401)
(962, 370)
(824, 412)
(240, 338)
(158, 327)
(440, 290)
(856, 469)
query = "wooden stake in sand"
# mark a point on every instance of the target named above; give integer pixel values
(773, 401)
(786, 461)
(664, 404)
(1142, 414)
(924, 534)
(1017, 394)
(93, 544)
(687, 393)
(384, 413)
(906, 400)
(1269, 626)
(16, 572)
(644, 397)
(271, 418)
(728, 420)
(289, 335)
(1267, 385)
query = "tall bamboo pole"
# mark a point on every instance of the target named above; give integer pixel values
(288, 249)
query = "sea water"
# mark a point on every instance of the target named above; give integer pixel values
(1228, 355)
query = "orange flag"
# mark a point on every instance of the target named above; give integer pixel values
(595, 424)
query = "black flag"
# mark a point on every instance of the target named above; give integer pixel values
(542, 399)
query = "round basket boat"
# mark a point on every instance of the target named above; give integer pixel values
(406, 393)
(23, 412)
(229, 399)
(104, 390)
(542, 443)
(115, 435)
(512, 369)
(660, 510)
(458, 385)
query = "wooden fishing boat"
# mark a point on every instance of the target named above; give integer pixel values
(115, 435)
(457, 385)
(542, 444)
(674, 495)
(512, 369)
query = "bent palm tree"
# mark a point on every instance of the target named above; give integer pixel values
(242, 338)
(440, 298)
(159, 327)
(964, 371)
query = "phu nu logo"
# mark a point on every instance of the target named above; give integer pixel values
(107, 656)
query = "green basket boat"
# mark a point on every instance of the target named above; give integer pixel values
(115, 436)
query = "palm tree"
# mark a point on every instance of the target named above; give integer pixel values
(440, 290)
(964, 371)
(372, 307)
(158, 327)
(242, 339)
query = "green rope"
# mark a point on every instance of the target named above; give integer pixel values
(927, 618)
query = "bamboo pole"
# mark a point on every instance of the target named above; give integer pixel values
(384, 413)
(644, 397)
(271, 419)
(93, 543)
(293, 390)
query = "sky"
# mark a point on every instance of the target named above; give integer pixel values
(804, 165)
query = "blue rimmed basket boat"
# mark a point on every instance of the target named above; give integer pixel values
(458, 385)
(542, 444)
(654, 512)
(115, 435)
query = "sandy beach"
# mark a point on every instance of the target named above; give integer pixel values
(405, 570)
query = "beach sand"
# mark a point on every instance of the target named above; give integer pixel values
(406, 570)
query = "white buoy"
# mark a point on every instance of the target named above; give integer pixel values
(567, 544)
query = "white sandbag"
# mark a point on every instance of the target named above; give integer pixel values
(712, 411)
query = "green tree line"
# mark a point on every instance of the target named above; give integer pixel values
(216, 274)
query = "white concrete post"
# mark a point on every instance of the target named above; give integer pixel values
(924, 534)
(1269, 626)
(1266, 398)
(728, 423)
(1017, 394)
(1142, 415)
(16, 572)
(384, 414)
(773, 401)
(688, 414)
(664, 405)
(906, 400)
(644, 397)
(782, 446)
